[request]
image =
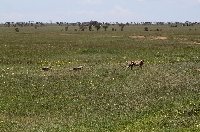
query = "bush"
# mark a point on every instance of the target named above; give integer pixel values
(146, 29)
(17, 29)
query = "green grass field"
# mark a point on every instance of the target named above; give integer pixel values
(104, 96)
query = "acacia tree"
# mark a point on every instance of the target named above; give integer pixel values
(122, 26)
(98, 26)
(105, 27)
(90, 27)
(82, 27)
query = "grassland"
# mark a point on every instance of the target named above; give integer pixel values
(105, 96)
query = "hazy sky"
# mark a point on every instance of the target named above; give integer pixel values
(100, 10)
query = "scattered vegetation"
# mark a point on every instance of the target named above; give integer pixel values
(105, 27)
(17, 29)
(66, 28)
(40, 92)
(97, 26)
(122, 26)
(146, 29)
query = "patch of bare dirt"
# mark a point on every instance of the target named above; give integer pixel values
(198, 70)
(137, 37)
(186, 41)
(116, 36)
(160, 38)
(150, 37)
(65, 34)
(196, 42)
(190, 42)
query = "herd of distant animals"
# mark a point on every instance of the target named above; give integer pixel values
(130, 64)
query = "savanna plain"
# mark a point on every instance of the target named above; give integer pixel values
(105, 95)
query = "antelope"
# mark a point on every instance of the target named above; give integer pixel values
(78, 68)
(46, 68)
(130, 64)
(135, 63)
(139, 63)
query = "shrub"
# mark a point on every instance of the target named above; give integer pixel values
(146, 29)
(17, 29)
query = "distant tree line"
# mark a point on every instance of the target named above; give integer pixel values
(23, 24)
(96, 23)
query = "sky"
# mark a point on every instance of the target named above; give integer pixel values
(100, 10)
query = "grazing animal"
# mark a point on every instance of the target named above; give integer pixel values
(78, 68)
(139, 63)
(46, 68)
(130, 64)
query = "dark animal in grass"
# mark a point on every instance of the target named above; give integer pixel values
(77, 68)
(130, 64)
(46, 68)
(139, 63)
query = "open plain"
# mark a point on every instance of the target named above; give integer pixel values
(104, 95)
